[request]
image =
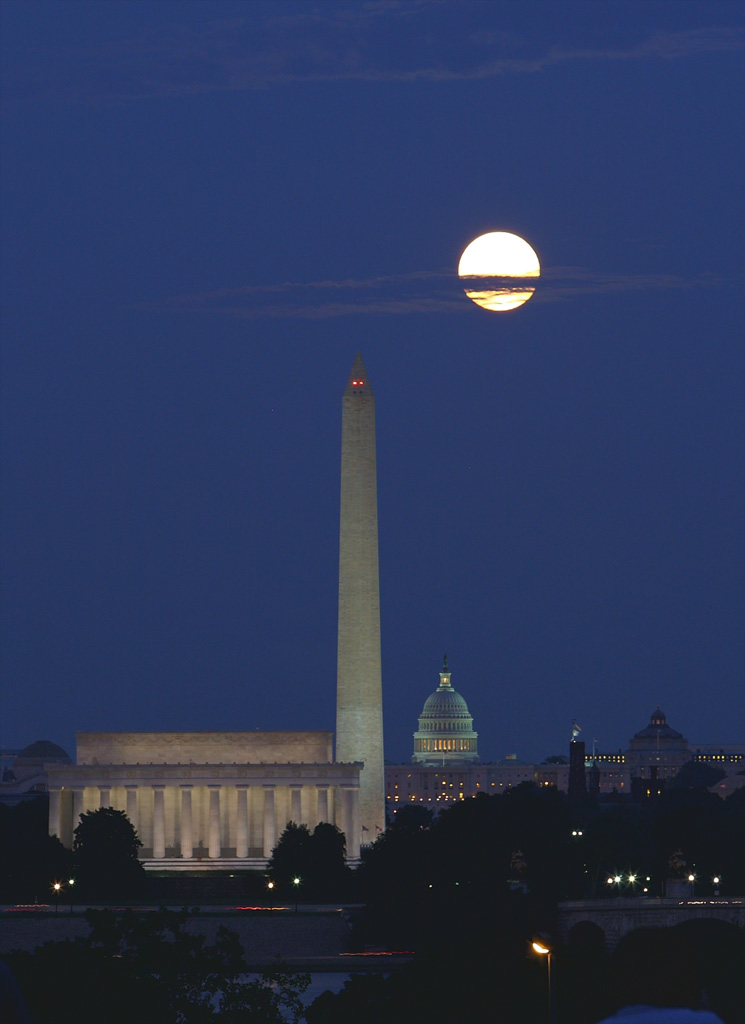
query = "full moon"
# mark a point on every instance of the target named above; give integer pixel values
(496, 269)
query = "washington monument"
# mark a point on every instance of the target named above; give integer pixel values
(359, 699)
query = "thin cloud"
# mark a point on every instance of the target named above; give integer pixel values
(425, 291)
(330, 44)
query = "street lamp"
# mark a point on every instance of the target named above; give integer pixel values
(296, 882)
(71, 884)
(56, 889)
(542, 948)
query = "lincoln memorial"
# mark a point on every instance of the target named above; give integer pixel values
(208, 799)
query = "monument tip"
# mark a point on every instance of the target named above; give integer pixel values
(358, 382)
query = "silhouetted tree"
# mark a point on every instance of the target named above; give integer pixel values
(105, 849)
(327, 872)
(412, 817)
(290, 856)
(696, 775)
(150, 969)
(316, 858)
(30, 859)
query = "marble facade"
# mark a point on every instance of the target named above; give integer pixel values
(215, 800)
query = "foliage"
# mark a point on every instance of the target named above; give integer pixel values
(496, 984)
(412, 817)
(474, 862)
(30, 859)
(697, 775)
(317, 858)
(105, 849)
(151, 969)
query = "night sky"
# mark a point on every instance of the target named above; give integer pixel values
(209, 208)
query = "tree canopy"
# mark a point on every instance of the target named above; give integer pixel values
(316, 858)
(149, 968)
(105, 849)
(30, 859)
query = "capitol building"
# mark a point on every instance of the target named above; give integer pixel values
(445, 765)
(445, 731)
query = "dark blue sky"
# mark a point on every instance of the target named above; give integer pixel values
(208, 208)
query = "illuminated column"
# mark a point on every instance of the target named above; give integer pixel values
(159, 822)
(187, 835)
(270, 825)
(296, 813)
(241, 822)
(359, 700)
(323, 804)
(214, 834)
(132, 804)
(78, 806)
(104, 799)
(55, 813)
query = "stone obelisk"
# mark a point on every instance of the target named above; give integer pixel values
(359, 698)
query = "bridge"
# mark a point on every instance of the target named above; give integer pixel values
(607, 921)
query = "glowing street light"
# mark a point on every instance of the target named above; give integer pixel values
(296, 882)
(56, 889)
(542, 947)
(71, 886)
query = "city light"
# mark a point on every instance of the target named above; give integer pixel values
(540, 947)
(56, 889)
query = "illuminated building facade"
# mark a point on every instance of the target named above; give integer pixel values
(445, 733)
(207, 800)
(655, 755)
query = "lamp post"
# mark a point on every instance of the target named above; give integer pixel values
(296, 882)
(71, 885)
(542, 948)
(270, 889)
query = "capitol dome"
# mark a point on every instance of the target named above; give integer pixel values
(445, 731)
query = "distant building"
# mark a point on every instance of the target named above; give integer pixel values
(445, 764)
(656, 754)
(25, 773)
